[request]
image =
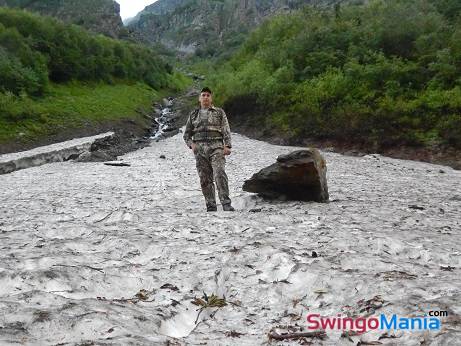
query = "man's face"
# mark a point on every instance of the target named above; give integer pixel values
(205, 99)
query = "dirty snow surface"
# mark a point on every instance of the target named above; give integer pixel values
(99, 254)
(56, 147)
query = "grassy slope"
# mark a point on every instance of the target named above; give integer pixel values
(76, 105)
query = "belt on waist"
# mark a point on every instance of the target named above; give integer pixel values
(203, 136)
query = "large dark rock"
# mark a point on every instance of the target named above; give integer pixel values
(300, 175)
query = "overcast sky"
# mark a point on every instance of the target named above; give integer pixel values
(129, 8)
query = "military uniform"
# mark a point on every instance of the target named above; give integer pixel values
(209, 130)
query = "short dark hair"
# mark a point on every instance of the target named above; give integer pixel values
(206, 90)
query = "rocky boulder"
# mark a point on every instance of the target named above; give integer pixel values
(299, 175)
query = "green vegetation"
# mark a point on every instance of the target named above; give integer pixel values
(385, 73)
(70, 105)
(55, 76)
(46, 48)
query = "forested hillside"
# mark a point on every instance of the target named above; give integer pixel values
(381, 74)
(48, 69)
(35, 48)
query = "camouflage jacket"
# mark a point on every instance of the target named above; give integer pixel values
(214, 127)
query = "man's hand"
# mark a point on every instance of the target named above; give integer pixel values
(227, 151)
(193, 146)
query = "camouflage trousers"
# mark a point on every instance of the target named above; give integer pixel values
(210, 163)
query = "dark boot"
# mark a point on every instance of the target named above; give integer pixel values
(227, 207)
(211, 207)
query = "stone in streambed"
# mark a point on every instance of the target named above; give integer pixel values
(299, 175)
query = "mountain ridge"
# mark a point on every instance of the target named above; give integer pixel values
(100, 16)
(203, 26)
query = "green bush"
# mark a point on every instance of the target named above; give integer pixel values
(450, 129)
(17, 78)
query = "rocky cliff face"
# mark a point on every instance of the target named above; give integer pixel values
(194, 26)
(159, 7)
(101, 16)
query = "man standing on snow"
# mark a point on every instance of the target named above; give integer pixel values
(208, 135)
